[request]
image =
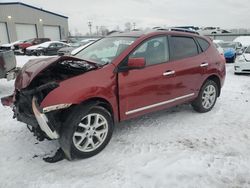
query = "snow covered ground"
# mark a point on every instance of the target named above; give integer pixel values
(172, 148)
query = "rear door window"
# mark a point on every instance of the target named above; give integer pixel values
(203, 44)
(182, 47)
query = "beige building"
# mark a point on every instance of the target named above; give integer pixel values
(19, 21)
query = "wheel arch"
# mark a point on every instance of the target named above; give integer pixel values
(216, 79)
(98, 101)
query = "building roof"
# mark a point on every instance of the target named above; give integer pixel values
(23, 4)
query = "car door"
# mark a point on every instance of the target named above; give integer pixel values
(58, 47)
(52, 49)
(151, 88)
(190, 64)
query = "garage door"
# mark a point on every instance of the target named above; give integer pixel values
(3, 34)
(52, 32)
(25, 31)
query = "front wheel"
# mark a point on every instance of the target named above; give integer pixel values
(86, 132)
(207, 97)
(39, 53)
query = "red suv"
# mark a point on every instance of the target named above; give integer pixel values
(79, 99)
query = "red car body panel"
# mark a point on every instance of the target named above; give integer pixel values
(134, 89)
(24, 45)
(99, 83)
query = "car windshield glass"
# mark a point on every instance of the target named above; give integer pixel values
(105, 50)
(227, 45)
(247, 50)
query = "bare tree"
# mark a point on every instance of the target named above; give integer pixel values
(128, 26)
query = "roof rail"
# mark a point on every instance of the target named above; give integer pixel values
(176, 29)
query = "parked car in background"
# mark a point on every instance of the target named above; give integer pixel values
(8, 67)
(242, 64)
(231, 49)
(67, 50)
(210, 30)
(77, 99)
(20, 48)
(219, 48)
(244, 40)
(217, 41)
(75, 46)
(77, 50)
(46, 48)
(10, 46)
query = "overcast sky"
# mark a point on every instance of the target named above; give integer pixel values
(148, 13)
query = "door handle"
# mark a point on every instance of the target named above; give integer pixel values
(168, 73)
(204, 64)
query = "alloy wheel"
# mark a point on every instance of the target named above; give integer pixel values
(90, 132)
(209, 96)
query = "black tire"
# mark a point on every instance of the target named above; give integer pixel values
(71, 126)
(39, 53)
(198, 103)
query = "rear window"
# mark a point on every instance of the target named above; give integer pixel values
(203, 44)
(182, 47)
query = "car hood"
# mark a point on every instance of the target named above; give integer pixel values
(34, 47)
(246, 56)
(33, 67)
(66, 49)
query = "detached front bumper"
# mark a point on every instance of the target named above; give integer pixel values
(43, 121)
(37, 119)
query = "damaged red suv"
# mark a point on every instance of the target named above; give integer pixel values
(77, 100)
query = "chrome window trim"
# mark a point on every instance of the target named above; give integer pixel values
(158, 104)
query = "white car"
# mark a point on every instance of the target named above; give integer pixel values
(10, 46)
(217, 41)
(210, 31)
(219, 48)
(242, 64)
(46, 48)
(244, 40)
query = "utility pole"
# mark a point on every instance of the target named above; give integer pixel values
(90, 26)
(97, 30)
(134, 24)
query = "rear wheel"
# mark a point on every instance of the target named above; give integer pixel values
(207, 97)
(86, 132)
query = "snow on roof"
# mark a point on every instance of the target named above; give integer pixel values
(244, 40)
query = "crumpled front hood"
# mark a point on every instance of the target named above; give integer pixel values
(33, 67)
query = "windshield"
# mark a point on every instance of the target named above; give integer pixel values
(28, 41)
(226, 45)
(105, 50)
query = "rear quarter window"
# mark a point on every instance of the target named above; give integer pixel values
(182, 47)
(203, 44)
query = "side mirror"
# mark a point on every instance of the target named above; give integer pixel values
(136, 63)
